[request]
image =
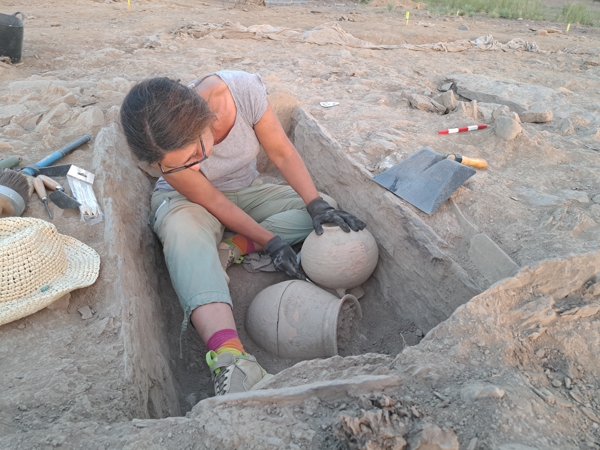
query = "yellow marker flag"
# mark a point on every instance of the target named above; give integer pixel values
(568, 26)
(128, 5)
(407, 16)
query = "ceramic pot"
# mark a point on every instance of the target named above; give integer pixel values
(339, 260)
(297, 320)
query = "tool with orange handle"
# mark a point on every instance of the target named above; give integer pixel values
(476, 163)
(38, 185)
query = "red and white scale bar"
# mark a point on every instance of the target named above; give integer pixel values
(462, 129)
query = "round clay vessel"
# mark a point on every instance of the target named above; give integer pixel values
(297, 320)
(339, 260)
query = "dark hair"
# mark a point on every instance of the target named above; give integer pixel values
(160, 115)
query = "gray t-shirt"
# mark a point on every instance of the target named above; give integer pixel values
(232, 164)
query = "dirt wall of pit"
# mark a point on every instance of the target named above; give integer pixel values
(57, 368)
(414, 277)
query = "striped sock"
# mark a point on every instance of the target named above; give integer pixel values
(242, 242)
(226, 340)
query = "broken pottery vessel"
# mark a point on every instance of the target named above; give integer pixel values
(339, 260)
(296, 319)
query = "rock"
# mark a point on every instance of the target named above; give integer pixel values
(536, 116)
(424, 103)
(556, 383)
(90, 118)
(540, 353)
(541, 33)
(518, 97)
(484, 114)
(445, 87)
(491, 261)
(468, 110)
(514, 116)
(564, 90)
(589, 414)
(567, 382)
(463, 28)
(479, 391)
(419, 332)
(86, 312)
(596, 198)
(12, 131)
(431, 437)
(447, 99)
(578, 196)
(10, 111)
(507, 128)
(501, 111)
(472, 444)
(566, 127)
(61, 303)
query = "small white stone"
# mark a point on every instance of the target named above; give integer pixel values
(86, 312)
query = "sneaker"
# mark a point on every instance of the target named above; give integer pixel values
(232, 374)
(229, 255)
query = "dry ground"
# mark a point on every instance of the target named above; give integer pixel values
(539, 198)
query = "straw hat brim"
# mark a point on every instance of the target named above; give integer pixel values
(83, 266)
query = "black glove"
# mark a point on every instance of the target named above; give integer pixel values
(321, 213)
(284, 258)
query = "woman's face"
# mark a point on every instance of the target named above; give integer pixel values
(188, 154)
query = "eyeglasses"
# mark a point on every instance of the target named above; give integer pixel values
(187, 166)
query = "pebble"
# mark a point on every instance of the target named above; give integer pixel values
(479, 391)
(419, 333)
(536, 116)
(589, 414)
(463, 28)
(86, 312)
(21, 326)
(556, 383)
(507, 128)
(567, 382)
(575, 396)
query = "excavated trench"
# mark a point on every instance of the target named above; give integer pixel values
(414, 287)
(124, 362)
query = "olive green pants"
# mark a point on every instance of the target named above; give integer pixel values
(190, 235)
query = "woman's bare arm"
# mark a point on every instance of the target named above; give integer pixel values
(284, 155)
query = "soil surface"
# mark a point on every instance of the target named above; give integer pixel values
(538, 199)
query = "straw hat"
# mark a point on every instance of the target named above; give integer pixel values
(38, 266)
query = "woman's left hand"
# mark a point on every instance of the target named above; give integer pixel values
(321, 212)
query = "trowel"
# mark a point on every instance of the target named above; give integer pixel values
(57, 194)
(427, 179)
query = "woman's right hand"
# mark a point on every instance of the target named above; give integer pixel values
(284, 258)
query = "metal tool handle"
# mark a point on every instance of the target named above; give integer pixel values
(50, 183)
(55, 156)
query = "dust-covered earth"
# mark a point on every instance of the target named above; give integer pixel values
(516, 367)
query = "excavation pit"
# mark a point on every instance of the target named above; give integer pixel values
(135, 329)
